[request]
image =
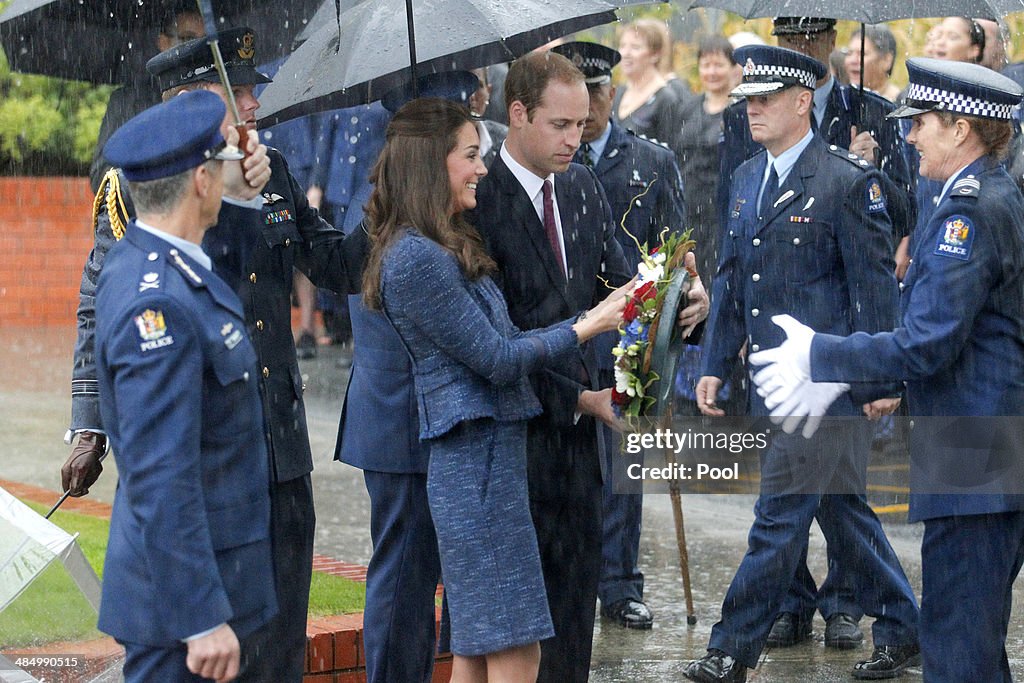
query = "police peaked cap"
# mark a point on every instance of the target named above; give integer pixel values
(971, 89)
(457, 86)
(593, 59)
(192, 61)
(170, 138)
(768, 69)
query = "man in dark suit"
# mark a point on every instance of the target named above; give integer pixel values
(188, 577)
(627, 166)
(548, 226)
(837, 110)
(808, 232)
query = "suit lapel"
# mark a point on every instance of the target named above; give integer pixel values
(525, 216)
(793, 187)
(613, 154)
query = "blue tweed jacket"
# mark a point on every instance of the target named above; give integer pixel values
(470, 360)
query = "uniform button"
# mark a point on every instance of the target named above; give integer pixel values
(252, 278)
(259, 325)
(266, 372)
(755, 277)
(756, 242)
(755, 348)
(755, 312)
(153, 256)
(287, 241)
(902, 286)
(796, 240)
(245, 376)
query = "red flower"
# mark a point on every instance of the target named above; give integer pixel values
(646, 291)
(655, 250)
(619, 398)
(629, 312)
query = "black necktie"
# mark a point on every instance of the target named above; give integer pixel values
(770, 188)
(585, 152)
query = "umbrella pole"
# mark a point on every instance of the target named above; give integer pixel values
(684, 555)
(863, 35)
(412, 46)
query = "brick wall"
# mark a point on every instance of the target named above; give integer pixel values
(45, 237)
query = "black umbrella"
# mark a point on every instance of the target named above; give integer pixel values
(358, 57)
(108, 41)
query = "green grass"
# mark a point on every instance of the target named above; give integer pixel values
(52, 608)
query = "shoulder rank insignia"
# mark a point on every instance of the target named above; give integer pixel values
(149, 281)
(875, 197)
(152, 330)
(185, 268)
(109, 193)
(966, 187)
(956, 238)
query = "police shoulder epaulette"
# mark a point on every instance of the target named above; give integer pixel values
(968, 186)
(870, 96)
(850, 157)
(190, 275)
(653, 141)
(110, 194)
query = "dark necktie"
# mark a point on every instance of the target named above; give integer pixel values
(549, 225)
(768, 193)
(585, 152)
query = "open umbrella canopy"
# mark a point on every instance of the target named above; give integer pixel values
(368, 54)
(865, 11)
(108, 41)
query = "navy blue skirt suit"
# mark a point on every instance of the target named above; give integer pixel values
(470, 367)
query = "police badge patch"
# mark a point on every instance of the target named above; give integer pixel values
(956, 238)
(876, 199)
(152, 330)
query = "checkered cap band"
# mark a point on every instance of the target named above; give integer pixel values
(951, 101)
(766, 72)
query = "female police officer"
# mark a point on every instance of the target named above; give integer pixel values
(960, 347)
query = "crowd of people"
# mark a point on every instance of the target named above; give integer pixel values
(481, 260)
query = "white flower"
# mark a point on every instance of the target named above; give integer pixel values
(658, 258)
(621, 380)
(648, 273)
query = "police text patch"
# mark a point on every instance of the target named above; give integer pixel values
(955, 238)
(875, 198)
(152, 330)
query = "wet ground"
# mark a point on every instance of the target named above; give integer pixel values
(34, 409)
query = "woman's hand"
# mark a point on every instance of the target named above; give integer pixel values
(606, 315)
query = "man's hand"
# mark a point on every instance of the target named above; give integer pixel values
(863, 145)
(599, 405)
(902, 258)
(245, 179)
(216, 655)
(707, 395)
(881, 407)
(315, 196)
(699, 304)
(83, 466)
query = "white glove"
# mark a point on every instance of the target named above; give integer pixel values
(785, 381)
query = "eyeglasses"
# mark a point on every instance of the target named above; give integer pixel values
(977, 36)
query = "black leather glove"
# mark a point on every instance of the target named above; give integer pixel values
(83, 466)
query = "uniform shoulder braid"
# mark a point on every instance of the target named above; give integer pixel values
(873, 194)
(968, 186)
(851, 158)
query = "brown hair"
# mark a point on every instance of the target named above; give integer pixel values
(412, 189)
(994, 134)
(529, 75)
(655, 34)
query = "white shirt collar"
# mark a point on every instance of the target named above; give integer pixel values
(530, 181)
(194, 251)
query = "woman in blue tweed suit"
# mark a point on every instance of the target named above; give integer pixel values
(428, 271)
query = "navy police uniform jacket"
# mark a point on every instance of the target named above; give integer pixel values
(189, 544)
(960, 345)
(823, 254)
(842, 111)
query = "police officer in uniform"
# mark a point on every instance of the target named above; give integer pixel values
(960, 348)
(254, 252)
(627, 165)
(188, 577)
(837, 109)
(808, 230)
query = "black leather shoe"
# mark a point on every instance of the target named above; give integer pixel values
(842, 632)
(787, 631)
(887, 661)
(716, 667)
(629, 613)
